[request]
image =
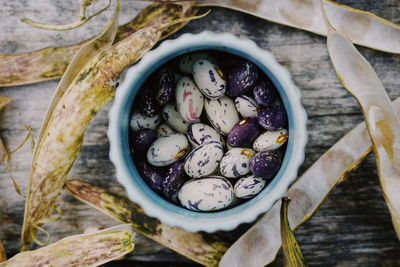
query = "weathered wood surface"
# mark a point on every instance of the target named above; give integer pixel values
(352, 227)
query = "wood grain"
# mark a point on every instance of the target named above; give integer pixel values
(352, 227)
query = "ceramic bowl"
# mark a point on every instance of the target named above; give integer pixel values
(167, 212)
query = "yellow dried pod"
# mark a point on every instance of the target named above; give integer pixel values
(62, 134)
(41, 197)
(3, 256)
(291, 251)
(206, 249)
(83, 250)
(3, 150)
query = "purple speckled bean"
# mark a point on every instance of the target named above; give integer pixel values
(244, 133)
(165, 84)
(265, 164)
(242, 78)
(174, 180)
(148, 105)
(272, 118)
(142, 140)
(153, 176)
(265, 93)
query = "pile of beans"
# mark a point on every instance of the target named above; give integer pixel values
(208, 131)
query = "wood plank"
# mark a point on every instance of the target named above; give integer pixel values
(353, 226)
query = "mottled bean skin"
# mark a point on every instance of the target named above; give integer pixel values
(163, 130)
(244, 133)
(265, 164)
(209, 78)
(168, 149)
(200, 133)
(272, 118)
(270, 140)
(236, 162)
(206, 194)
(204, 160)
(246, 106)
(174, 118)
(222, 114)
(242, 78)
(139, 121)
(189, 99)
(249, 186)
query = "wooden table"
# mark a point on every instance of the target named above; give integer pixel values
(352, 227)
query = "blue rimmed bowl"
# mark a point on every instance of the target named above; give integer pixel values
(118, 133)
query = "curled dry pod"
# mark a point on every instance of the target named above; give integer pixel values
(265, 164)
(164, 129)
(360, 79)
(204, 160)
(68, 116)
(221, 113)
(236, 162)
(92, 249)
(249, 186)
(265, 93)
(377, 33)
(148, 105)
(209, 78)
(168, 149)
(174, 180)
(272, 118)
(244, 133)
(200, 133)
(206, 194)
(140, 121)
(121, 209)
(246, 106)
(186, 62)
(270, 140)
(242, 78)
(82, 91)
(165, 84)
(142, 140)
(174, 119)
(189, 99)
(153, 176)
(51, 62)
